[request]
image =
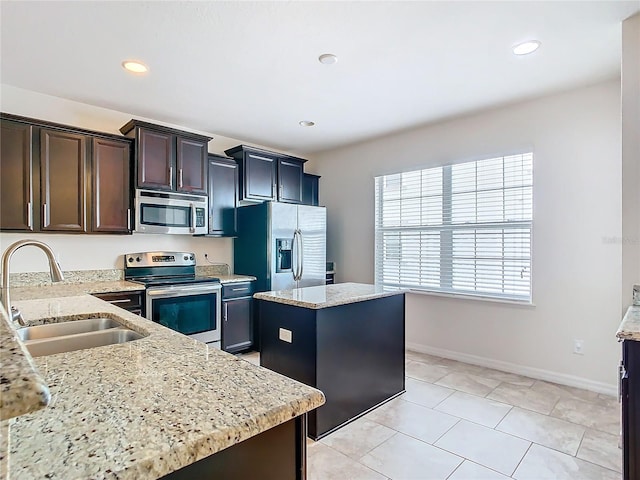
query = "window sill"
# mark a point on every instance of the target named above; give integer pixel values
(459, 296)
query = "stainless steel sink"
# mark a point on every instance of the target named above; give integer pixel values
(66, 328)
(81, 341)
(62, 337)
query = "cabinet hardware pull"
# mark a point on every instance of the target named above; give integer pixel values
(171, 177)
(226, 311)
(280, 192)
(262, 158)
(128, 219)
(45, 223)
(180, 175)
(29, 215)
(239, 289)
(124, 300)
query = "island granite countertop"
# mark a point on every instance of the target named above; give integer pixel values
(324, 296)
(141, 409)
(629, 329)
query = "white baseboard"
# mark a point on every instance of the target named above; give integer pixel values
(538, 373)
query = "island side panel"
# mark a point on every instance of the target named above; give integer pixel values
(295, 359)
(276, 454)
(360, 359)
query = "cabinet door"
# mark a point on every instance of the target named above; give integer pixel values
(236, 324)
(259, 177)
(155, 160)
(223, 197)
(290, 181)
(16, 179)
(111, 203)
(192, 165)
(310, 189)
(63, 171)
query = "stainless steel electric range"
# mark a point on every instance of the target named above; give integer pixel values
(175, 296)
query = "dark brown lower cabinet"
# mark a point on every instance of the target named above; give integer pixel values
(630, 396)
(237, 316)
(279, 453)
(130, 301)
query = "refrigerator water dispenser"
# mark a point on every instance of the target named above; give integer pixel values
(283, 254)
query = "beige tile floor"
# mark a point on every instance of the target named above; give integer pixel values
(463, 422)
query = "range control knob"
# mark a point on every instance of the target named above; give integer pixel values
(192, 257)
(138, 259)
(186, 257)
(130, 259)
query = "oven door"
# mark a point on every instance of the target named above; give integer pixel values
(193, 310)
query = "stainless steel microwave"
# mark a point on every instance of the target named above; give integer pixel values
(167, 212)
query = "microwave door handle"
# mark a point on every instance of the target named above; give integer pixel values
(192, 227)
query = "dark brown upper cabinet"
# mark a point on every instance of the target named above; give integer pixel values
(191, 161)
(57, 178)
(268, 176)
(111, 173)
(16, 176)
(63, 177)
(168, 159)
(290, 180)
(310, 189)
(155, 154)
(223, 196)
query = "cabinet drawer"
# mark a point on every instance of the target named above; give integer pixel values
(238, 289)
(131, 301)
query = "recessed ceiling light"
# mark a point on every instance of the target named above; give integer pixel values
(134, 66)
(525, 48)
(327, 59)
(306, 123)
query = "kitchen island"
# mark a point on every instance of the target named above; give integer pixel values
(163, 405)
(345, 339)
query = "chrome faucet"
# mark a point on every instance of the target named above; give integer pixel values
(54, 269)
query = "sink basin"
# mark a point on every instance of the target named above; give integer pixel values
(66, 328)
(80, 341)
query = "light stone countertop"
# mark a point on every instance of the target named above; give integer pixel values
(22, 388)
(324, 296)
(629, 329)
(56, 290)
(234, 278)
(142, 409)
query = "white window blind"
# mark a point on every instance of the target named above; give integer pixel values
(462, 228)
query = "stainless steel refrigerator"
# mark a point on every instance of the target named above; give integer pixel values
(283, 245)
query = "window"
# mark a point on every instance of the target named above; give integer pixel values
(463, 229)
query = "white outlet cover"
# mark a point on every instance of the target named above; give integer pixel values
(285, 335)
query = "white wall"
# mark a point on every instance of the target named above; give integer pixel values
(630, 156)
(88, 252)
(575, 138)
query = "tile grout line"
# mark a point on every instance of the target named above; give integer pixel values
(520, 462)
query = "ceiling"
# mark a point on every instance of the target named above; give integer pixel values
(250, 70)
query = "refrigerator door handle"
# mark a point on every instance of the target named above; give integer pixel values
(300, 255)
(294, 254)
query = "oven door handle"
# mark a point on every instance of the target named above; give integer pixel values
(182, 290)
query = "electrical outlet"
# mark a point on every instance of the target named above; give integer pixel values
(578, 347)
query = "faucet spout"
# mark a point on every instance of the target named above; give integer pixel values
(54, 270)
